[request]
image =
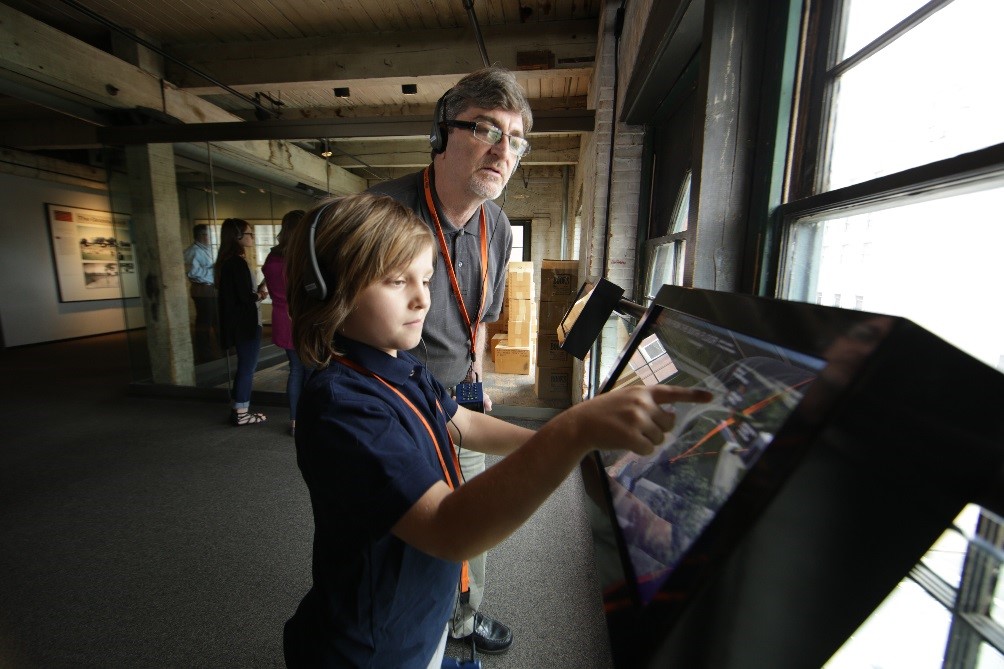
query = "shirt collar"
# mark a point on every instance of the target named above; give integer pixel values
(396, 370)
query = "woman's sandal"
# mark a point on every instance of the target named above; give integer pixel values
(247, 418)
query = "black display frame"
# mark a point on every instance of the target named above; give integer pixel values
(841, 438)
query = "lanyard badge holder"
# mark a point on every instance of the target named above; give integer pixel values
(471, 395)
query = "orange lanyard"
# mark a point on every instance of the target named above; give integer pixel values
(464, 578)
(472, 327)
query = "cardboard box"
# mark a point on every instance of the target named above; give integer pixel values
(520, 286)
(496, 328)
(550, 313)
(522, 332)
(495, 341)
(522, 310)
(559, 280)
(549, 354)
(512, 359)
(520, 266)
(553, 384)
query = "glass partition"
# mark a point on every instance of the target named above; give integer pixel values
(211, 182)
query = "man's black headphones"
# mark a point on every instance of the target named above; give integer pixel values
(438, 133)
(313, 279)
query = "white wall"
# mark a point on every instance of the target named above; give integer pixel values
(30, 310)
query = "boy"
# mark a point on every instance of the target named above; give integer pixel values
(374, 445)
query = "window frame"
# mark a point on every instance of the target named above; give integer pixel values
(803, 196)
(801, 189)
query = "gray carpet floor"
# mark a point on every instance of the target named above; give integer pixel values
(144, 532)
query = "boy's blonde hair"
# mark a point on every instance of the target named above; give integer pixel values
(359, 239)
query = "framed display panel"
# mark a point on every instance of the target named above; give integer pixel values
(92, 253)
(773, 520)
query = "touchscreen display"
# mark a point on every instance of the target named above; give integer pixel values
(662, 502)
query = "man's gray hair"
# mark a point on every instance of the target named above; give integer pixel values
(489, 88)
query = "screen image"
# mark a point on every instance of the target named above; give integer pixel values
(663, 501)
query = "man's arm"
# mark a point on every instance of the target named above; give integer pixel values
(198, 270)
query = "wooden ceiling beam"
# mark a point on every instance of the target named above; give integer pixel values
(79, 74)
(447, 54)
(417, 110)
(414, 152)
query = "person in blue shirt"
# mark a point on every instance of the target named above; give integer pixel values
(374, 445)
(199, 269)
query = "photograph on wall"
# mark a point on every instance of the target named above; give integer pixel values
(93, 254)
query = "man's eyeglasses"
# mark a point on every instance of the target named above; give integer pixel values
(491, 134)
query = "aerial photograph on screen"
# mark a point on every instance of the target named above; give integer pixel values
(663, 501)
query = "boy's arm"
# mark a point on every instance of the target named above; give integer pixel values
(480, 432)
(456, 525)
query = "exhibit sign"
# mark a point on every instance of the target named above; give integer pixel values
(93, 254)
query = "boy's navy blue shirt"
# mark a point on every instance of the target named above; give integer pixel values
(367, 458)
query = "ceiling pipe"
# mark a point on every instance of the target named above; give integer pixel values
(469, 6)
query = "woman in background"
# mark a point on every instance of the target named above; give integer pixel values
(240, 320)
(282, 332)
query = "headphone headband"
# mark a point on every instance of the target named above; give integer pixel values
(313, 282)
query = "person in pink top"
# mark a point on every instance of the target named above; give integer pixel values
(282, 330)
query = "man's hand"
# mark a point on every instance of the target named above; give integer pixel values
(487, 402)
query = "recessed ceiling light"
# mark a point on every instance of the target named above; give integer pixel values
(409, 89)
(342, 92)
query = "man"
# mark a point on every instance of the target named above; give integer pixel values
(477, 140)
(199, 268)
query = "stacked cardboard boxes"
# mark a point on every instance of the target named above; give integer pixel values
(559, 282)
(515, 356)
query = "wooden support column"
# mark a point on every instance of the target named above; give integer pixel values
(162, 282)
(732, 49)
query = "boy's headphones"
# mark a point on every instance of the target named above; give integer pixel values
(313, 279)
(438, 133)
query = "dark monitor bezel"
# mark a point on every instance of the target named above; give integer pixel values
(850, 402)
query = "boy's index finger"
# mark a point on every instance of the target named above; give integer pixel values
(666, 394)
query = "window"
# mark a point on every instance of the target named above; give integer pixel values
(908, 88)
(520, 240)
(667, 254)
(897, 178)
(892, 204)
(914, 627)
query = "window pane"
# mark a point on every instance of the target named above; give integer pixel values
(990, 658)
(936, 262)
(867, 19)
(947, 555)
(928, 96)
(909, 630)
(667, 266)
(997, 605)
(681, 212)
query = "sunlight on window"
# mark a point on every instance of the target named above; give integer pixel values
(666, 260)
(516, 255)
(937, 263)
(867, 20)
(910, 629)
(932, 94)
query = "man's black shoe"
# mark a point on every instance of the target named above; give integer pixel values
(489, 636)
